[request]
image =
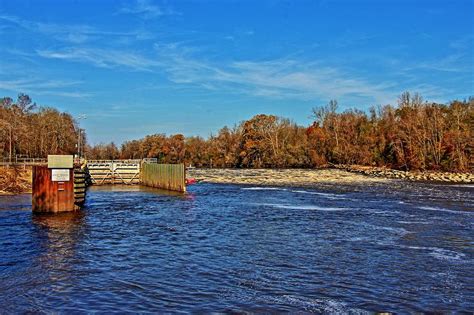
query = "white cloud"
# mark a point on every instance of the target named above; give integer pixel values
(104, 58)
(74, 34)
(283, 78)
(145, 9)
(279, 78)
(65, 94)
(43, 87)
(450, 63)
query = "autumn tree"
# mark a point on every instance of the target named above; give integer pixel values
(33, 131)
(413, 135)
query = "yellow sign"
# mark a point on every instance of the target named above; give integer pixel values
(60, 161)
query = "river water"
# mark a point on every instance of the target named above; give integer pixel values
(399, 247)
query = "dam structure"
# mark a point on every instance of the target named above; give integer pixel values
(61, 185)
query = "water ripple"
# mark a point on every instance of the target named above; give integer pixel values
(225, 248)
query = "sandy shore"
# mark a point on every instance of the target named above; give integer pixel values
(281, 177)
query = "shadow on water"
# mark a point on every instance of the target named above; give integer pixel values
(136, 188)
(15, 202)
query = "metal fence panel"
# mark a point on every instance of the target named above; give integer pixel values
(164, 176)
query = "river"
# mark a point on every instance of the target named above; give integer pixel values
(399, 247)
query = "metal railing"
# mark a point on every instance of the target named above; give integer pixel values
(114, 171)
(130, 161)
(22, 161)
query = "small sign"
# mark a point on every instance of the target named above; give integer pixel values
(60, 175)
(61, 186)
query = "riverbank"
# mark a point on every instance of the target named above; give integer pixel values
(15, 180)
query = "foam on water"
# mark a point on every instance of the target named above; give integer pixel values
(320, 305)
(313, 193)
(447, 254)
(326, 195)
(463, 186)
(394, 230)
(391, 212)
(437, 209)
(316, 305)
(303, 207)
(359, 239)
(264, 188)
(437, 252)
(414, 222)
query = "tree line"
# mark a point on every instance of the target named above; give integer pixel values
(27, 130)
(412, 135)
(415, 135)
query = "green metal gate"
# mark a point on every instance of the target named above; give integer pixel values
(164, 176)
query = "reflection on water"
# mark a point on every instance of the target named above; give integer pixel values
(15, 202)
(66, 222)
(346, 249)
(135, 188)
(58, 236)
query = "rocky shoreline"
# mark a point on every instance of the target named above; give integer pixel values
(409, 175)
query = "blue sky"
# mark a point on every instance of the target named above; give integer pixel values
(147, 66)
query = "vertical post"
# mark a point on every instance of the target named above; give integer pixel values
(79, 143)
(10, 144)
(112, 165)
(82, 116)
